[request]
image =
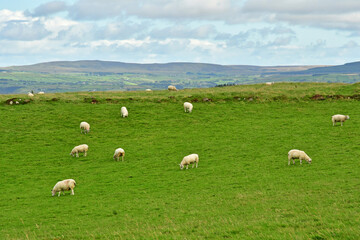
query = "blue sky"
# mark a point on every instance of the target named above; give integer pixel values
(244, 32)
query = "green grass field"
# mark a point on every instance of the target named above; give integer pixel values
(242, 189)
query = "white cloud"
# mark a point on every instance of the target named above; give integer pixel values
(23, 30)
(220, 31)
(152, 9)
(183, 31)
(337, 15)
(301, 6)
(50, 8)
(7, 15)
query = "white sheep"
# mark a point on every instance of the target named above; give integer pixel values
(84, 126)
(172, 88)
(269, 83)
(187, 160)
(41, 93)
(64, 185)
(298, 154)
(148, 90)
(119, 152)
(188, 107)
(339, 118)
(30, 94)
(124, 112)
(78, 149)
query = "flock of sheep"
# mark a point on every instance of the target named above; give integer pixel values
(69, 184)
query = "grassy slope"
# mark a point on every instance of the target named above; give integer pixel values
(243, 187)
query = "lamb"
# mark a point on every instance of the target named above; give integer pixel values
(41, 93)
(81, 148)
(339, 118)
(124, 112)
(64, 185)
(119, 152)
(84, 126)
(298, 154)
(187, 160)
(172, 88)
(30, 94)
(188, 107)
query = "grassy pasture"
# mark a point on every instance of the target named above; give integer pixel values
(243, 188)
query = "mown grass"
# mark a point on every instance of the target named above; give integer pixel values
(243, 188)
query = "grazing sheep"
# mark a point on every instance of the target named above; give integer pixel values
(188, 107)
(269, 83)
(81, 148)
(339, 118)
(119, 152)
(172, 88)
(84, 126)
(298, 154)
(148, 90)
(30, 94)
(64, 185)
(187, 160)
(41, 93)
(124, 112)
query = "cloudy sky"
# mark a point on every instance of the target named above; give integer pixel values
(250, 32)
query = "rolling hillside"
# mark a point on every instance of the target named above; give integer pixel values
(348, 68)
(107, 67)
(109, 76)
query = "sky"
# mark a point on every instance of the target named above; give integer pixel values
(227, 32)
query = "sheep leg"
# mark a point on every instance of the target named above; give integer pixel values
(72, 191)
(300, 161)
(197, 164)
(85, 154)
(193, 165)
(341, 123)
(187, 166)
(59, 194)
(77, 154)
(122, 158)
(293, 161)
(288, 161)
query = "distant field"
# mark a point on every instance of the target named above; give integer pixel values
(23, 82)
(242, 189)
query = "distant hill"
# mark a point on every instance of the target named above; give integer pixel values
(348, 68)
(94, 66)
(109, 67)
(93, 75)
